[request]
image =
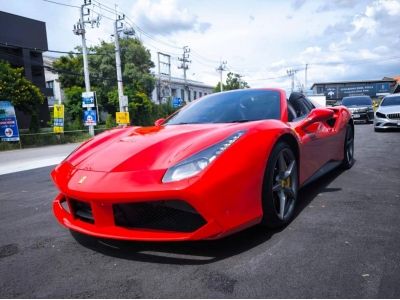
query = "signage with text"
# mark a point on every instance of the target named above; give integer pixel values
(88, 99)
(8, 123)
(58, 125)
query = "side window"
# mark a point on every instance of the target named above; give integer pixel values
(300, 108)
(308, 103)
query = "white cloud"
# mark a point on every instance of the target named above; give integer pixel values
(165, 17)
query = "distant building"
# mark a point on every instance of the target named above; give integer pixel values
(22, 42)
(52, 81)
(196, 89)
(335, 91)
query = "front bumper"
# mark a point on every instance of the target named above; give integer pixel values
(363, 116)
(386, 123)
(99, 212)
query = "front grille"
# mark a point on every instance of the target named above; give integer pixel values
(172, 215)
(82, 211)
(395, 116)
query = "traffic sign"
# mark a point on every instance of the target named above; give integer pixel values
(176, 102)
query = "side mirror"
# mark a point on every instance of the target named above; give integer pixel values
(318, 115)
(159, 122)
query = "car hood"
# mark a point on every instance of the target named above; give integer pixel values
(148, 148)
(389, 109)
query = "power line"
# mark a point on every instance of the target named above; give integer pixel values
(63, 4)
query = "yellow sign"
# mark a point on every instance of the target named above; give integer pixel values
(122, 118)
(58, 118)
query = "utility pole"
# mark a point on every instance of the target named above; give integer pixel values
(79, 29)
(221, 68)
(118, 27)
(291, 74)
(185, 66)
(164, 77)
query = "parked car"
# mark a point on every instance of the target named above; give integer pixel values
(388, 114)
(222, 163)
(360, 108)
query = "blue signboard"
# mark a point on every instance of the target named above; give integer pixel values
(8, 123)
(176, 102)
(88, 99)
(89, 117)
(339, 91)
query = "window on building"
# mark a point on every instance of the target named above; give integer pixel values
(50, 84)
(200, 94)
(194, 95)
(190, 95)
(183, 94)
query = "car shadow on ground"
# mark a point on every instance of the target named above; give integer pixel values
(202, 252)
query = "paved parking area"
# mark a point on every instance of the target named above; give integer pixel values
(344, 242)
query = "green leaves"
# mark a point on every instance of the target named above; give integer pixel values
(24, 95)
(138, 80)
(233, 82)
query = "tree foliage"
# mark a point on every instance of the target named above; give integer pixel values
(233, 82)
(22, 93)
(138, 81)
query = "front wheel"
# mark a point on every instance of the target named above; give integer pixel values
(348, 159)
(280, 187)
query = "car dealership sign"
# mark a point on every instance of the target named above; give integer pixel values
(340, 91)
(8, 123)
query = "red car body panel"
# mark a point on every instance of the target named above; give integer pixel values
(127, 166)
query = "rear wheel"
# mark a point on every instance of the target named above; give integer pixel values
(280, 187)
(348, 159)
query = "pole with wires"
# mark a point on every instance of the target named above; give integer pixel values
(185, 66)
(79, 29)
(221, 68)
(118, 26)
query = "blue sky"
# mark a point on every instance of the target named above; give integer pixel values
(260, 39)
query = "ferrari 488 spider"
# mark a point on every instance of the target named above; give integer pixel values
(222, 163)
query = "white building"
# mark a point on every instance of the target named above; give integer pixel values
(52, 81)
(196, 89)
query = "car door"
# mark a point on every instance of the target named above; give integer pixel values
(316, 139)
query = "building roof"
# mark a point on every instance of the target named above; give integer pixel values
(385, 79)
(179, 80)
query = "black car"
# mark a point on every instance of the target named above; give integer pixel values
(360, 107)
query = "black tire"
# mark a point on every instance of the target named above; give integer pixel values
(348, 160)
(378, 129)
(279, 185)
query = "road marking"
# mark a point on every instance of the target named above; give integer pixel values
(25, 165)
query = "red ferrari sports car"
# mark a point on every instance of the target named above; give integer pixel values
(222, 163)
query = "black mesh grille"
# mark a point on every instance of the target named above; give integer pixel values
(82, 210)
(394, 116)
(171, 215)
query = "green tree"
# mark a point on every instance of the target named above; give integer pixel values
(136, 70)
(22, 93)
(73, 107)
(234, 81)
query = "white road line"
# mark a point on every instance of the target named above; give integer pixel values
(30, 164)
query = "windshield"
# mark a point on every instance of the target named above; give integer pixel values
(230, 107)
(357, 101)
(391, 101)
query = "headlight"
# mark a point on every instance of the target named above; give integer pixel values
(380, 115)
(199, 161)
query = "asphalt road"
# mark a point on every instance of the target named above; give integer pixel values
(344, 242)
